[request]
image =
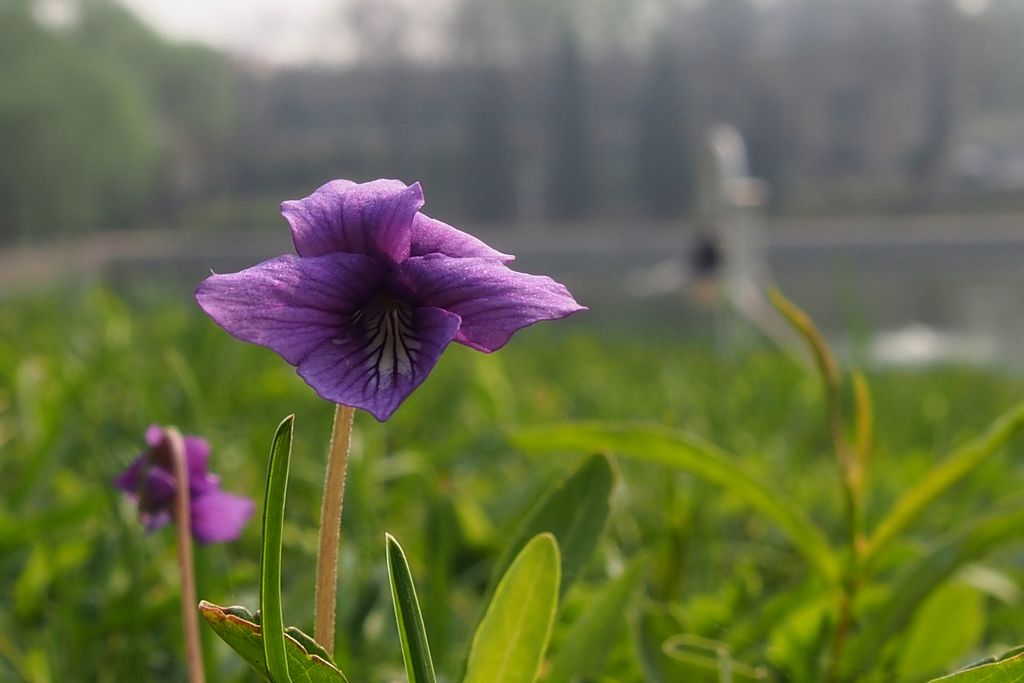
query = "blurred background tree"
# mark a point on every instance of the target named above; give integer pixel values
(665, 138)
(78, 133)
(513, 112)
(569, 164)
(490, 178)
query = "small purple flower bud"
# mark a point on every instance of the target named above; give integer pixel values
(149, 481)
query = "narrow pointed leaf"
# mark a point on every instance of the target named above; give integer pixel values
(419, 667)
(574, 511)
(863, 417)
(815, 340)
(684, 451)
(940, 478)
(592, 637)
(272, 616)
(245, 637)
(510, 642)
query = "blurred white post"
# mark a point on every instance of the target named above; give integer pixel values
(729, 263)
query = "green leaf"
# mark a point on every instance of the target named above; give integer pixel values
(509, 644)
(684, 451)
(940, 478)
(592, 637)
(245, 638)
(574, 511)
(419, 667)
(945, 628)
(824, 361)
(271, 613)
(1006, 670)
(918, 581)
(308, 644)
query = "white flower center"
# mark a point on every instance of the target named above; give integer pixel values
(391, 345)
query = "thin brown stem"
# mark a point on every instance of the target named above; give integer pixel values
(183, 522)
(330, 528)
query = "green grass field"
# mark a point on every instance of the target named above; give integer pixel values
(88, 596)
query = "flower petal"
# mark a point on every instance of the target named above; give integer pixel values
(197, 456)
(492, 300)
(146, 483)
(128, 480)
(154, 435)
(218, 516)
(153, 521)
(290, 304)
(383, 354)
(374, 219)
(431, 236)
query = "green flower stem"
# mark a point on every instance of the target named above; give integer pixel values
(330, 528)
(183, 523)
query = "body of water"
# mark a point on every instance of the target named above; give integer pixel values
(948, 286)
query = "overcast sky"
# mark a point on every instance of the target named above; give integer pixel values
(305, 31)
(281, 31)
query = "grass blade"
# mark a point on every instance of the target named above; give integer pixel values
(940, 478)
(419, 666)
(270, 558)
(678, 449)
(509, 644)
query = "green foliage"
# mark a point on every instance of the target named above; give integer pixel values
(943, 476)
(83, 373)
(510, 642)
(78, 133)
(270, 656)
(916, 582)
(270, 555)
(245, 637)
(101, 122)
(1008, 669)
(811, 636)
(948, 626)
(678, 449)
(574, 512)
(419, 666)
(592, 636)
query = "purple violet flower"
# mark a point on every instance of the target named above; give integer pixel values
(149, 481)
(376, 293)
